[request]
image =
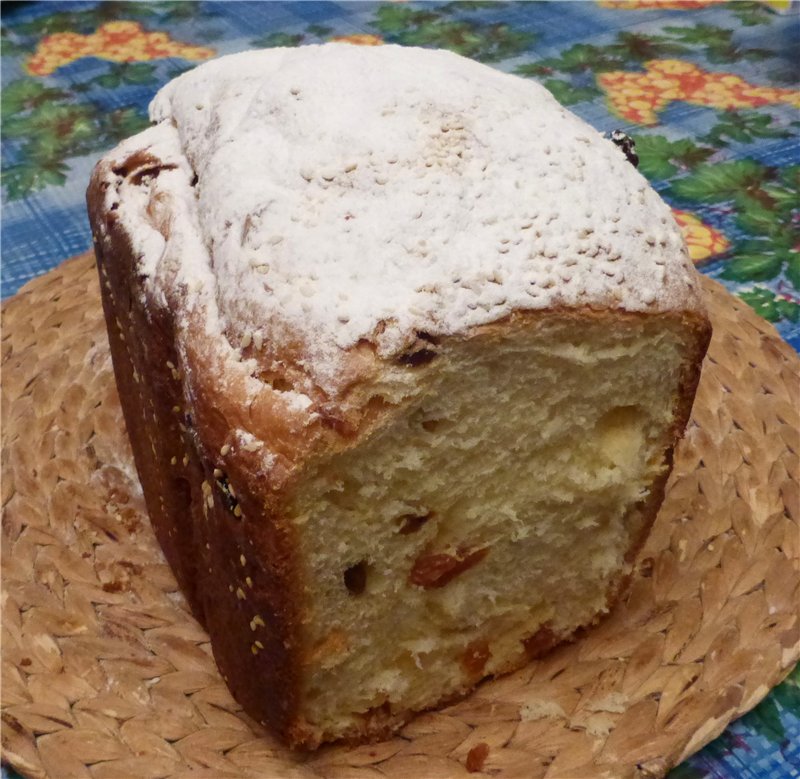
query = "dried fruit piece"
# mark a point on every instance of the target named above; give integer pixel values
(542, 640)
(432, 571)
(335, 643)
(475, 657)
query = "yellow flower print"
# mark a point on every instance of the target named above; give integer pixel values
(702, 240)
(638, 97)
(120, 41)
(664, 5)
(363, 39)
(680, 5)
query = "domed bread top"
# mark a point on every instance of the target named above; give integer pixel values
(347, 194)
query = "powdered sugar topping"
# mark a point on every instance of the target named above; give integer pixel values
(349, 193)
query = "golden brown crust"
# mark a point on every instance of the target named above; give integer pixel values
(153, 426)
(219, 515)
(687, 387)
(250, 608)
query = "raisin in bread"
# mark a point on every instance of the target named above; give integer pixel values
(404, 348)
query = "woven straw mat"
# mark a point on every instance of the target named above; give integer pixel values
(106, 674)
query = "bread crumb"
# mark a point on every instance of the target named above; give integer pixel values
(600, 725)
(541, 709)
(614, 702)
(476, 757)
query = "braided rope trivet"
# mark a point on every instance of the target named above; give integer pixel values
(105, 674)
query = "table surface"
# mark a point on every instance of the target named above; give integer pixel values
(708, 89)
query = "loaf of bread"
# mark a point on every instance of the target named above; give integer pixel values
(404, 348)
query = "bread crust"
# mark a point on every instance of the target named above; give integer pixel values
(219, 516)
(173, 450)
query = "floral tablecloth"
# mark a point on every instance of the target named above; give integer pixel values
(708, 89)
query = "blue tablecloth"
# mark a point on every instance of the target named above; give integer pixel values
(708, 89)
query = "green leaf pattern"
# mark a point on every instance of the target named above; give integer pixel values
(438, 27)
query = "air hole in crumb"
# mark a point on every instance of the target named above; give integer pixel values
(355, 578)
(280, 384)
(193, 182)
(149, 173)
(419, 354)
(378, 713)
(415, 359)
(342, 427)
(431, 425)
(431, 339)
(411, 523)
